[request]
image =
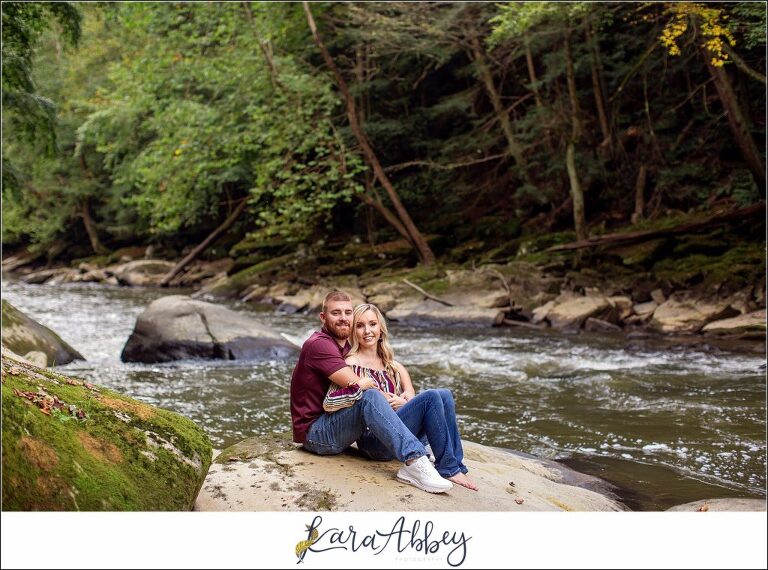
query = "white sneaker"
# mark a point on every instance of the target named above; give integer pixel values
(422, 474)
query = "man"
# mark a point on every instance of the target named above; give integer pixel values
(322, 361)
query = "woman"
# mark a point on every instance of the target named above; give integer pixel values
(371, 356)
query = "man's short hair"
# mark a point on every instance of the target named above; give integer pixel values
(335, 295)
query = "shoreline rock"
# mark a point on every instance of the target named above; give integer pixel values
(273, 474)
(34, 341)
(547, 295)
(720, 505)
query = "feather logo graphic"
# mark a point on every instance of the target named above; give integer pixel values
(303, 546)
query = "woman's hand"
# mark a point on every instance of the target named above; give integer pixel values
(396, 402)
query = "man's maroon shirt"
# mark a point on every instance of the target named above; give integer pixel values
(320, 357)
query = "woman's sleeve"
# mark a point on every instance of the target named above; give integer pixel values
(338, 398)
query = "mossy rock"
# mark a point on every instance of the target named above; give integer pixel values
(69, 445)
(259, 274)
(644, 253)
(741, 266)
(23, 335)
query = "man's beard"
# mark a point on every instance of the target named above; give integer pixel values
(341, 335)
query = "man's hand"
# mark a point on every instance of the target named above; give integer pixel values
(396, 402)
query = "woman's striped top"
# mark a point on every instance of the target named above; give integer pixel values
(338, 398)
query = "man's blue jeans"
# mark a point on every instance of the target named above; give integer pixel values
(430, 416)
(333, 433)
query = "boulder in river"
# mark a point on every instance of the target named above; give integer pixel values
(272, 474)
(24, 335)
(69, 445)
(178, 327)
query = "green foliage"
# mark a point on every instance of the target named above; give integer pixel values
(30, 114)
(171, 114)
(749, 21)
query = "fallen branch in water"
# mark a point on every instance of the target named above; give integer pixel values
(427, 295)
(511, 323)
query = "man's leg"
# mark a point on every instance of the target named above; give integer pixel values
(333, 433)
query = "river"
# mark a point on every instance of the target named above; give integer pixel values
(666, 424)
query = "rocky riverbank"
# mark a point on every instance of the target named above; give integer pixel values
(273, 474)
(693, 288)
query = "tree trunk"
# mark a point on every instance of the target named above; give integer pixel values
(737, 121)
(532, 71)
(501, 113)
(90, 229)
(597, 87)
(640, 194)
(85, 212)
(205, 243)
(423, 250)
(533, 78)
(577, 193)
(388, 215)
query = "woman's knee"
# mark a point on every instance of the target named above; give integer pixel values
(446, 395)
(374, 397)
(432, 395)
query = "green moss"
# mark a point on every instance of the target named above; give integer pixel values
(101, 462)
(242, 279)
(97, 260)
(741, 265)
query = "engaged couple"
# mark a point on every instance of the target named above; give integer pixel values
(347, 387)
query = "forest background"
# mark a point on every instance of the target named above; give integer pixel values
(471, 132)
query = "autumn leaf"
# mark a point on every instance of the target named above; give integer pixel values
(519, 500)
(703, 508)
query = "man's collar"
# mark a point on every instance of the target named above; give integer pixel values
(341, 346)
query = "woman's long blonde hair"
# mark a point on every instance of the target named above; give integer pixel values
(383, 348)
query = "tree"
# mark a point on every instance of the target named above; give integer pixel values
(412, 233)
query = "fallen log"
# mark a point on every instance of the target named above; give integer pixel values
(427, 295)
(205, 243)
(633, 237)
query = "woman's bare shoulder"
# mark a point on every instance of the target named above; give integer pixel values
(352, 359)
(399, 367)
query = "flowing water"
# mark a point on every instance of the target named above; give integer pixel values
(666, 424)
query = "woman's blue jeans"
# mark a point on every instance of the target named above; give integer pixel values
(430, 415)
(332, 433)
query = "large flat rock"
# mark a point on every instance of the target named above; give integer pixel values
(270, 474)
